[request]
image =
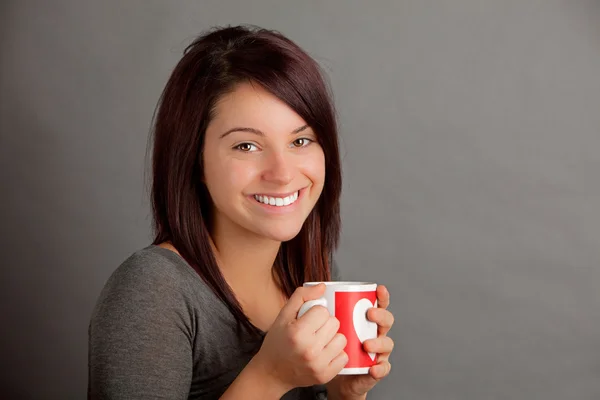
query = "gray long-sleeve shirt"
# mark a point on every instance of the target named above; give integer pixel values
(159, 332)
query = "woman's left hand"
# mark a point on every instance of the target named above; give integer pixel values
(350, 387)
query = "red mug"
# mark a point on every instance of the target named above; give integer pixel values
(349, 303)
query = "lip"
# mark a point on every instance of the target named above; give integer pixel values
(276, 209)
(282, 195)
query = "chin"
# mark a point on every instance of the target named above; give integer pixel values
(283, 234)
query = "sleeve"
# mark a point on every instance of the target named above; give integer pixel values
(140, 337)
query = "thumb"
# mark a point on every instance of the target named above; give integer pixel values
(299, 297)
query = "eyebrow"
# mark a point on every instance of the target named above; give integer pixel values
(258, 132)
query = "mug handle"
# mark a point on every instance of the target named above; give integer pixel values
(311, 303)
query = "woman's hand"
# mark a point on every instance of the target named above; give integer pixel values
(304, 351)
(356, 386)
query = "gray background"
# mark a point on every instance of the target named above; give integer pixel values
(471, 141)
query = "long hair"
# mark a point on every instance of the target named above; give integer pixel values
(211, 66)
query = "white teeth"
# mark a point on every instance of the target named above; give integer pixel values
(277, 201)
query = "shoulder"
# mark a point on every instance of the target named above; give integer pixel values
(152, 268)
(142, 328)
(151, 280)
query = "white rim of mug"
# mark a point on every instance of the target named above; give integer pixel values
(346, 286)
(354, 371)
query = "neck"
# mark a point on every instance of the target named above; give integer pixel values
(245, 259)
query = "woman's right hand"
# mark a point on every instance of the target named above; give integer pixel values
(304, 351)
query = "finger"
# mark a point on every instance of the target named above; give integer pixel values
(338, 363)
(334, 347)
(325, 333)
(383, 357)
(381, 370)
(314, 319)
(383, 318)
(299, 297)
(383, 344)
(383, 297)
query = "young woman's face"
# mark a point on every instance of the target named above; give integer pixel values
(263, 166)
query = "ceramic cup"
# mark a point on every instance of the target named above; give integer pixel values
(349, 303)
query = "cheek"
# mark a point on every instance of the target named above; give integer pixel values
(240, 174)
(227, 178)
(314, 167)
(212, 173)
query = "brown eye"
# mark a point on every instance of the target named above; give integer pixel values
(245, 147)
(302, 142)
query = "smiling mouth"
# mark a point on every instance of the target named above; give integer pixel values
(277, 201)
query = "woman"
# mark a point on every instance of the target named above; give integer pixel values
(245, 199)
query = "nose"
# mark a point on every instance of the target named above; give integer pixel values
(279, 168)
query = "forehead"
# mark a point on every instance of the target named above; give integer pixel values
(250, 105)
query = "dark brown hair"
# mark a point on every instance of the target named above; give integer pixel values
(212, 65)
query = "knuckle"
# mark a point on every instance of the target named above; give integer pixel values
(392, 319)
(304, 292)
(344, 357)
(309, 355)
(338, 342)
(335, 322)
(323, 312)
(295, 337)
(299, 292)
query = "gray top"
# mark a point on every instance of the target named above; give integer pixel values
(159, 332)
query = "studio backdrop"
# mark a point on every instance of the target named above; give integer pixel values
(470, 136)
